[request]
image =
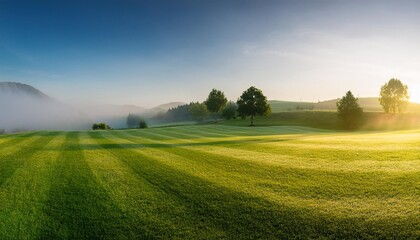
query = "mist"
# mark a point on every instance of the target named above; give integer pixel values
(19, 112)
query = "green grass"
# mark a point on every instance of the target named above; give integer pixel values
(210, 182)
(372, 121)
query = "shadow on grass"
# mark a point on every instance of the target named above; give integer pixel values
(243, 216)
(166, 145)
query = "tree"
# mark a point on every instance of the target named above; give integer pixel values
(133, 120)
(349, 111)
(100, 126)
(230, 110)
(198, 111)
(215, 101)
(253, 102)
(394, 96)
(142, 123)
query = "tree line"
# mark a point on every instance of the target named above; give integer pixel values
(393, 99)
(251, 103)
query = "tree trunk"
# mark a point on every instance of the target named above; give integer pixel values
(252, 120)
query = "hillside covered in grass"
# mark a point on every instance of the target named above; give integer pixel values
(370, 104)
(329, 120)
(195, 182)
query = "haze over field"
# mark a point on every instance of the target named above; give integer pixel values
(148, 53)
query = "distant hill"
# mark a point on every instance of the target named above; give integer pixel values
(23, 107)
(163, 108)
(369, 104)
(112, 110)
(19, 89)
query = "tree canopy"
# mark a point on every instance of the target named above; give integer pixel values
(100, 126)
(230, 110)
(198, 111)
(133, 120)
(349, 111)
(394, 96)
(215, 101)
(252, 102)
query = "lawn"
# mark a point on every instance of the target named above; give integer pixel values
(209, 182)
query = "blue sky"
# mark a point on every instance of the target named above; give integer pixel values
(151, 52)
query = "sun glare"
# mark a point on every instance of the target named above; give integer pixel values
(414, 93)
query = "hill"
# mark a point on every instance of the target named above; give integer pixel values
(163, 108)
(20, 89)
(24, 107)
(369, 104)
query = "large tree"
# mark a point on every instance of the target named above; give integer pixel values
(252, 102)
(394, 96)
(215, 101)
(349, 111)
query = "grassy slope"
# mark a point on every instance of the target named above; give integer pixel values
(328, 120)
(370, 104)
(210, 182)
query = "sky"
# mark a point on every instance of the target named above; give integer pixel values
(152, 52)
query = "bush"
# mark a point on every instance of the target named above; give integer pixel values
(2, 131)
(100, 126)
(143, 124)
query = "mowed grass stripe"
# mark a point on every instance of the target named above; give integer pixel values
(348, 223)
(241, 166)
(308, 188)
(14, 143)
(7, 137)
(238, 215)
(16, 156)
(23, 196)
(157, 213)
(77, 206)
(285, 150)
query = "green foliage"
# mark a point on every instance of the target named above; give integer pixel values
(229, 112)
(252, 102)
(100, 126)
(143, 123)
(210, 182)
(133, 120)
(2, 131)
(198, 111)
(179, 113)
(394, 96)
(215, 101)
(349, 111)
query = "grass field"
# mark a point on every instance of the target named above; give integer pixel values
(210, 181)
(371, 121)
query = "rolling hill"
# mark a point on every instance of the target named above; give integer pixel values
(24, 107)
(369, 104)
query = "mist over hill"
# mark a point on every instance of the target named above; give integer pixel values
(23, 107)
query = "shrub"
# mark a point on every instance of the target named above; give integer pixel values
(100, 126)
(143, 123)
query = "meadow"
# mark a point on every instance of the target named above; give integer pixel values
(210, 181)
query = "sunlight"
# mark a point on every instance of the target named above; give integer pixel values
(414, 91)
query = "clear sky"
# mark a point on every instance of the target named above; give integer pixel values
(151, 52)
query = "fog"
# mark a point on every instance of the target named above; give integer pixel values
(20, 112)
(24, 108)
